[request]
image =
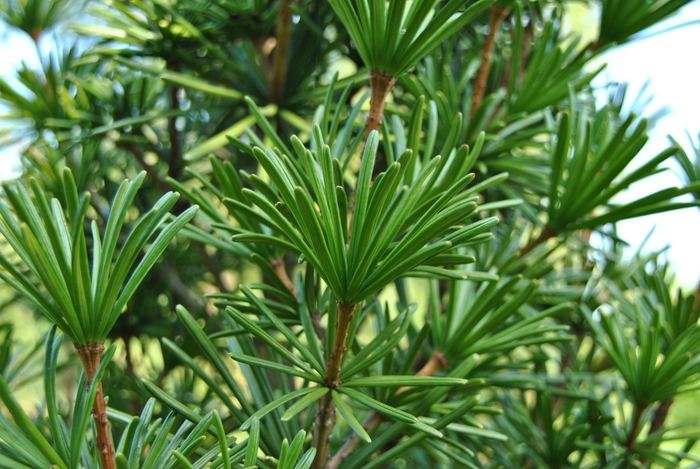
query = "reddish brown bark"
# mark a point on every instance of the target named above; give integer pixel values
(496, 17)
(36, 34)
(547, 232)
(325, 416)
(345, 315)
(281, 271)
(90, 356)
(280, 59)
(437, 362)
(637, 418)
(381, 84)
(660, 415)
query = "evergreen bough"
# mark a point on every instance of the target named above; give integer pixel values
(380, 256)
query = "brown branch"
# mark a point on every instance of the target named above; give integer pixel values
(637, 418)
(90, 356)
(660, 415)
(280, 269)
(381, 84)
(274, 53)
(496, 16)
(36, 35)
(547, 232)
(342, 326)
(325, 421)
(437, 362)
(658, 421)
(325, 416)
(175, 162)
(281, 57)
(264, 45)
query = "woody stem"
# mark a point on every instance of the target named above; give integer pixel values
(381, 84)
(547, 232)
(90, 356)
(280, 59)
(637, 418)
(280, 269)
(325, 416)
(496, 16)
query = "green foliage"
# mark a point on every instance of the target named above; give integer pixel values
(587, 165)
(353, 278)
(35, 16)
(661, 355)
(620, 20)
(84, 296)
(552, 71)
(691, 169)
(392, 38)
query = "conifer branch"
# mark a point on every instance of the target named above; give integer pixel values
(325, 417)
(496, 16)
(281, 57)
(90, 356)
(547, 232)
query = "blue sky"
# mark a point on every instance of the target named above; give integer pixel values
(670, 63)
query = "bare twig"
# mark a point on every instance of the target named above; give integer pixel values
(496, 16)
(325, 421)
(437, 362)
(264, 46)
(280, 269)
(274, 53)
(637, 418)
(90, 356)
(658, 421)
(281, 57)
(547, 232)
(381, 84)
(660, 415)
(175, 162)
(345, 315)
(325, 416)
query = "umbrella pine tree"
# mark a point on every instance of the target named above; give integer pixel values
(334, 235)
